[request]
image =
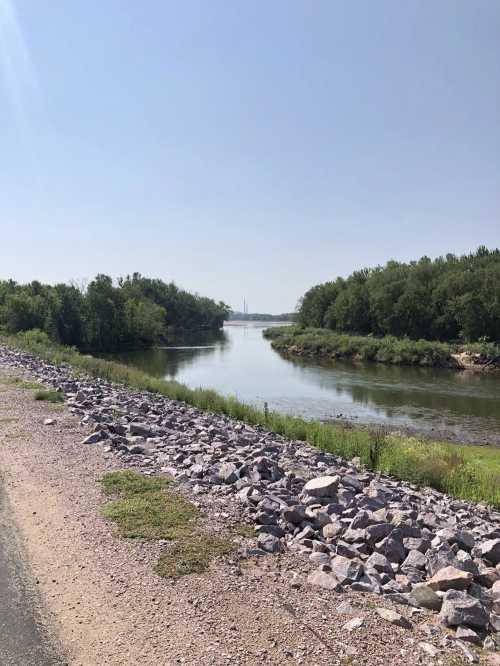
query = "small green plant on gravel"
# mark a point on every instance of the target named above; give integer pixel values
(146, 510)
(244, 530)
(49, 396)
(126, 483)
(192, 554)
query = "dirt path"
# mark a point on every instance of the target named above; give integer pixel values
(106, 605)
(23, 638)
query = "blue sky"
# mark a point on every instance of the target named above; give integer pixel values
(245, 149)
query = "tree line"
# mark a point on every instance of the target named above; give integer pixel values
(135, 312)
(256, 316)
(448, 298)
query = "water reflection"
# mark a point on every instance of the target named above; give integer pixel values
(181, 350)
(239, 361)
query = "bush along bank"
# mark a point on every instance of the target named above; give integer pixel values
(325, 344)
(356, 527)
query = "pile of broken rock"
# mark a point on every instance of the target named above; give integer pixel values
(371, 532)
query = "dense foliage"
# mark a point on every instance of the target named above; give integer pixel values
(135, 312)
(450, 298)
(388, 349)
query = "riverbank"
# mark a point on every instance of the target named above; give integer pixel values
(326, 344)
(105, 600)
(466, 472)
(366, 532)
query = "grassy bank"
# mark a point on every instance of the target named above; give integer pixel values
(467, 472)
(324, 343)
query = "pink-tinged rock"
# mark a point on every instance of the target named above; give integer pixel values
(450, 578)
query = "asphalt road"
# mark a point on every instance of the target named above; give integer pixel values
(23, 641)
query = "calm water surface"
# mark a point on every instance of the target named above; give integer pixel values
(240, 362)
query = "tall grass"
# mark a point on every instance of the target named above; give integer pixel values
(396, 351)
(467, 472)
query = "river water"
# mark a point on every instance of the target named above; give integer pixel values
(239, 361)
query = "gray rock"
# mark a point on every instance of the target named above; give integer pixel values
(228, 472)
(141, 430)
(459, 608)
(269, 543)
(380, 563)
(392, 548)
(320, 558)
(294, 514)
(425, 597)
(415, 559)
(468, 635)
(346, 570)
(323, 486)
(94, 438)
(353, 624)
(325, 580)
(332, 530)
(393, 617)
(490, 550)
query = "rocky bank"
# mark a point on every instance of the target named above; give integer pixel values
(353, 528)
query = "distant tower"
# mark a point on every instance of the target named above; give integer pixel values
(245, 307)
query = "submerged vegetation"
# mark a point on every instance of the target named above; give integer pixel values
(388, 349)
(145, 509)
(135, 312)
(451, 298)
(467, 472)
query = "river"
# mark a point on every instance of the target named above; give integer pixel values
(442, 404)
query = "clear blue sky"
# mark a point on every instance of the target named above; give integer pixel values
(245, 148)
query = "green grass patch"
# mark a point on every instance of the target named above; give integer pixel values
(146, 510)
(192, 554)
(465, 472)
(127, 483)
(49, 396)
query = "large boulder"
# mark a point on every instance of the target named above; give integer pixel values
(323, 486)
(460, 608)
(346, 571)
(450, 578)
(490, 550)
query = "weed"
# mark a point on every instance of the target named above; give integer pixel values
(126, 483)
(151, 515)
(49, 396)
(192, 554)
(244, 530)
(145, 510)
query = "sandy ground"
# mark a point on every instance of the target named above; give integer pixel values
(105, 605)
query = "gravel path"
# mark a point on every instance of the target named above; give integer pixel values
(108, 607)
